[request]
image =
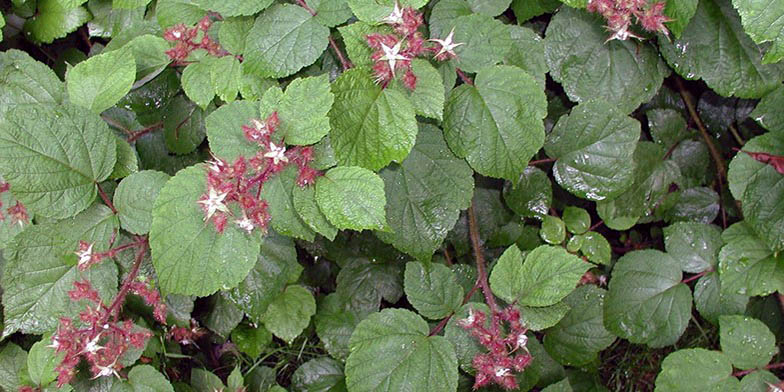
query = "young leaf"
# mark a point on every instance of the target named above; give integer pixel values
(226, 75)
(580, 335)
(432, 289)
(53, 157)
(647, 303)
(289, 313)
(553, 230)
(352, 198)
(41, 361)
(577, 220)
(417, 362)
(189, 255)
(101, 81)
(425, 195)
(596, 248)
(747, 342)
(696, 369)
(371, 126)
(548, 275)
(695, 246)
(762, 21)
(496, 124)
(714, 36)
(622, 73)
(593, 146)
(284, 39)
(135, 197)
(303, 110)
(307, 208)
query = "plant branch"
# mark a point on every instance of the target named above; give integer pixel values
(464, 77)
(106, 199)
(742, 373)
(345, 62)
(305, 5)
(696, 276)
(119, 299)
(117, 125)
(136, 135)
(596, 225)
(541, 161)
(736, 135)
(715, 154)
(481, 268)
(446, 319)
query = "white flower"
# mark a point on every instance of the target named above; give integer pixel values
(214, 202)
(396, 17)
(92, 346)
(773, 388)
(447, 46)
(85, 255)
(177, 34)
(522, 341)
(55, 344)
(104, 371)
(468, 320)
(392, 55)
(276, 153)
(245, 224)
(501, 371)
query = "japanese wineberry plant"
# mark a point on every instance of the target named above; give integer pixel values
(392, 195)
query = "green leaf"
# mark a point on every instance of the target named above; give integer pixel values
(362, 284)
(8, 227)
(276, 265)
(149, 51)
(486, 41)
(334, 325)
(444, 15)
(596, 248)
(375, 11)
(466, 346)
(189, 255)
(767, 112)
(425, 195)
(747, 342)
(41, 361)
(101, 81)
(531, 194)
(432, 289)
(53, 156)
(233, 7)
(284, 39)
(330, 13)
(694, 245)
(577, 220)
(553, 230)
(127, 161)
(715, 36)
(251, 340)
(712, 300)
(41, 268)
(135, 197)
(53, 20)
(668, 127)
(232, 33)
(762, 21)
(144, 378)
(289, 313)
(744, 169)
(205, 381)
(226, 75)
(746, 265)
(183, 126)
(197, 83)
(428, 97)
(548, 275)
(622, 73)
(489, 7)
(129, 4)
(497, 123)
(223, 316)
(356, 45)
(24, 80)
(171, 12)
(527, 52)
(680, 13)
(391, 351)
(647, 303)
(696, 369)
(278, 192)
(537, 319)
(763, 206)
(352, 198)
(224, 130)
(580, 335)
(594, 145)
(318, 375)
(371, 126)
(303, 110)
(527, 9)
(307, 208)
(758, 381)
(13, 360)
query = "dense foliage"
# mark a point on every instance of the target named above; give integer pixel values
(381, 195)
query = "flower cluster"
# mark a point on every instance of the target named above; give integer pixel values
(394, 52)
(187, 336)
(17, 212)
(189, 39)
(241, 181)
(506, 355)
(619, 15)
(100, 338)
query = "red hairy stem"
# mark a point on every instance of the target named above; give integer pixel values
(480, 262)
(541, 161)
(464, 77)
(446, 319)
(114, 308)
(742, 373)
(105, 199)
(697, 276)
(345, 62)
(136, 135)
(305, 5)
(714, 152)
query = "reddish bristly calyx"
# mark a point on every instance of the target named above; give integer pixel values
(506, 353)
(239, 183)
(187, 39)
(17, 212)
(99, 336)
(394, 52)
(620, 14)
